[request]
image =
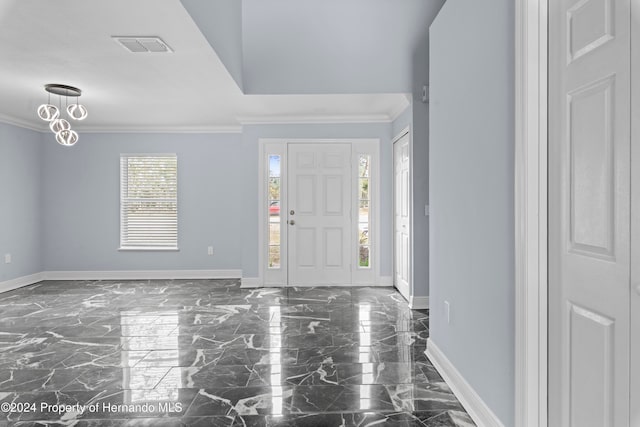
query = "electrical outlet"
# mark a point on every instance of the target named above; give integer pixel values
(210, 250)
(447, 311)
(7, 258)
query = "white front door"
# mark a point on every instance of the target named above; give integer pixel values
(402, 224)
(589, 213)
(319, 214)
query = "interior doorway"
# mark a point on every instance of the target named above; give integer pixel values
(402, 215)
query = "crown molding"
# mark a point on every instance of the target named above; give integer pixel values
(400, 107)
(243, 120)
(295, 119)
(163, 129)
(8, 120)
(124, 129)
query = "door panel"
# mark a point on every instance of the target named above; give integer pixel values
(402, 221)
(590, 348)
(589, 208)
(333, 245)
(590, 25)
(333, 195)
(305, 238)
(320, 225)
(304, 194)
(592, 174)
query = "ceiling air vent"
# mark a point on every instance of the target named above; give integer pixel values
(143, 44)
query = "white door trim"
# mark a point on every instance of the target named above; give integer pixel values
(357, 144)
(530, 188)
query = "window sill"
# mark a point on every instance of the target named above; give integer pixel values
(147, 249)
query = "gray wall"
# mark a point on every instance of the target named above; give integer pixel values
(220, 21)
(332, 46)
(81, 202)
(471, 195)
(20, 201)
(420, 165)
(250, 137)
(217, 206)
(402, 121)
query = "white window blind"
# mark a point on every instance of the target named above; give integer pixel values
(148, 201)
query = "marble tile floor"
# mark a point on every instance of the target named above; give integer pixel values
(208, 353)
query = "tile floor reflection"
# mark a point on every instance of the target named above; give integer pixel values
(207, 353)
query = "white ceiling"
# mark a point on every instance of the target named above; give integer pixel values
(69, 42)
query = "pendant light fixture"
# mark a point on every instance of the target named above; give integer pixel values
(50, 113)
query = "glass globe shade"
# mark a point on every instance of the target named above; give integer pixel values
(48, 112)
(67, 137)
(77, 111)
(58, 125)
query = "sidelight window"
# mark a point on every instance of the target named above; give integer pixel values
(274, 198)
(364, 217)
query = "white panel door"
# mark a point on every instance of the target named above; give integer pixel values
(402, 223)
(589, 213)
(319, 206)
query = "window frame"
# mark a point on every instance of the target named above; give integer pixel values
(124, 247)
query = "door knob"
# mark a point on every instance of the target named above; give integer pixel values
(292, 222)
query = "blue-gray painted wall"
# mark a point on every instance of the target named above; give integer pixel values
(333, 46)
(402, 121)
(81, 202)
(68, 201)
(420, 165)
(220, 22)
(76, 192)
(472, 195)
(20, 201)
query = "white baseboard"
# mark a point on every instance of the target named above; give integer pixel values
(256, 282)
(418, 303)
(481, 414)
(250, 282)
(246, 282)
(142, 274)
(18, 282)
(404, 290)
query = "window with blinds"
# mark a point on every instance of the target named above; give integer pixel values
(148, 201)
